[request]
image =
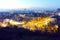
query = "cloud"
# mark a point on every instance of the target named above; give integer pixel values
(12, 4)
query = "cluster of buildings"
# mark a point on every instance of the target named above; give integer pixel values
(31, 19)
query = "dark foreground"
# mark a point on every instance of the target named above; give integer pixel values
(24, 34)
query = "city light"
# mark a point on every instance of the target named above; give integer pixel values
(37, 23)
